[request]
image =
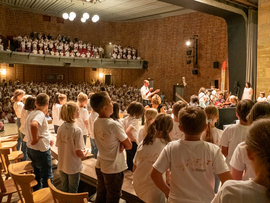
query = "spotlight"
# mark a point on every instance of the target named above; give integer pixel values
(70, 18)
(100, 75)
(86, 16)
(188, 43)
(72, 15)
(189, 52)
(87, 0)
(95, 18)
(83, 20)
(65, 16)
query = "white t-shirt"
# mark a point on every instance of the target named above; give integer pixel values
(261, 99)
(176, 133)
(18, 106)
(108, 135)
(231, 137)
(247, 93)
(141, 134)
(192, 164)
(24, 115)
(234, 191)
(69, 139)
(134, 123)
(143, 92)
(84, 116)
(145, 157)
(241, 162)
(56, 109)
(93, 116)
(216, 133)
(44, 141)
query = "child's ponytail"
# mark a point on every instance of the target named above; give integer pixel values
(151, 131)
(208, 132)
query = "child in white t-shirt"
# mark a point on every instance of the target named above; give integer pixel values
(240, 163)
(147, 153)
(236, 133)
(60, 99)
(38, 142)
(257, 189)
(212, 134)
(149, 115)
(28, 107)
(111, 140)
(192, 162)
(71, 148)
(93, 116)
(176, 134)
(18, 106)
(131, 126)
(82, 121)
(262, 97)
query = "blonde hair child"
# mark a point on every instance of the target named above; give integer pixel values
(18, 106)
(257, 189)
(147, 153)
(71, 148)
(82, 121)
(176, 133)
(150, 115)
(212, 134)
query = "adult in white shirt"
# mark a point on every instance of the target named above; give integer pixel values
(248, 91)
(146, 93)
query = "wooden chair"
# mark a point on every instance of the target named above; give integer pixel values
(7, 187)
(9, 138)
(15, 156)
(24, 181)
(63, 197)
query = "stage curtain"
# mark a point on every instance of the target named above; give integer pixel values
(252, 37)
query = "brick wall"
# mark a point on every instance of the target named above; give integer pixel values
(263, 69)
(161, 42)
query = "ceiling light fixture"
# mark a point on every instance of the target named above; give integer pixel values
(86, 16)
(83, 20)
(65, 16)
(95, 18)
(72, 15)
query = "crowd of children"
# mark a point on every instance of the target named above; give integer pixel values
(42, 44)
(171, 158)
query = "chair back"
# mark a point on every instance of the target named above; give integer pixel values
(64, 197)
(23, 180)
(2, 184)
(5, 160)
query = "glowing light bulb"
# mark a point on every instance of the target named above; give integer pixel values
(95, 18)
(65, 16)
(86, 16)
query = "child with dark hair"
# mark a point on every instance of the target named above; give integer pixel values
(28, 107)
(147, 153)
(192, 162)
(111, 140)
(131, 126)
(115, 115)
(236, 133)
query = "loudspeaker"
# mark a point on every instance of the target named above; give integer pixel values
(195, 72)
(145, 64)
(216, 64)
(108, 79)
(189, 52)
(11, 65)
(94, 69)
(216, 84)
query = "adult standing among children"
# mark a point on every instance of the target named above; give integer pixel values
(248, 91)
(146, 93)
